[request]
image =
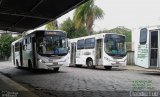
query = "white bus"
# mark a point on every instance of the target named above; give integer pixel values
(106, 49)
(147, 47)
(41, 49)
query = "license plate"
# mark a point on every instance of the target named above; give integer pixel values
(50, 59)
(117, 62)
(55, 63)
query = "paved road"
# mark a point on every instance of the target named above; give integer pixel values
(83, 82)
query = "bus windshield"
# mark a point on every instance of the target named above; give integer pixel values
(114, 45)
(52, 45)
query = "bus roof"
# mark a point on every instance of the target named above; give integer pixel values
(35, 32)
(17, 41)
(155, 27)
(100, 35)
(45, 31)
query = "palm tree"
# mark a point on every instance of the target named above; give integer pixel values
(72, 32)
(86, 14)
(52, 25)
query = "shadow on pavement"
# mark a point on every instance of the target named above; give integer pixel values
(151, 73)
(40, 71)
(101, 69)
(12, 72)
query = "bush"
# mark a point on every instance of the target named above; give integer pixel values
(5, 45)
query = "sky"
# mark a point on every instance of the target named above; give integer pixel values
(129, 13)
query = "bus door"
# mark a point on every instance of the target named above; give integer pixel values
(33, 41)
(98, 54)
(13, 54)
(154, 48)
(73, 54)
(21, 54)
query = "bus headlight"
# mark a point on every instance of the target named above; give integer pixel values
(42, 61)
(107, 59)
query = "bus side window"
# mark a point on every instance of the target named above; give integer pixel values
(24, 44)
(143, 36)
(17, 46)
(80, 44)
(89, 43)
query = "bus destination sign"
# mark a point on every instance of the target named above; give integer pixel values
(55, 33)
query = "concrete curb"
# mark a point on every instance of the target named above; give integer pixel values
(137, 68)
(17, 87)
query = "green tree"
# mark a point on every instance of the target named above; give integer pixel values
(52, 25)
(68, 26)
(86, 14)
(5, 45)
(72, 32)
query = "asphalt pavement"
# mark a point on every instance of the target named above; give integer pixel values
(10, 88)
(76, 82)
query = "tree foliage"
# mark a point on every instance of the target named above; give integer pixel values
(86, 14)
(83, 20)
(5, 45)
(72, 31)
(124, 31)
(52, 25)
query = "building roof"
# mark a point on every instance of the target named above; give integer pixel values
(23, 15)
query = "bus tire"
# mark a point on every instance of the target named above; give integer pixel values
(108, 67)
(56, 69)
(90, 63)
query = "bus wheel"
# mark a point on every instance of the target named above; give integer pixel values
(108, 67)
(90, 63)
(56, 69)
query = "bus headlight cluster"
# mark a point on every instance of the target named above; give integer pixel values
(125, 59)
(107, 59)
(42, 61)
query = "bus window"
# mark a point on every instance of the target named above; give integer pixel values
(80, 44)
(53, 45)
(24, 44)
(89, 43)
(143, 36)
(17, 46)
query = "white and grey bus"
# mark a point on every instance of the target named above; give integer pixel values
(106, 49)
(41, 49)
(147, 46)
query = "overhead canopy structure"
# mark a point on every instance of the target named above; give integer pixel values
(23, 15)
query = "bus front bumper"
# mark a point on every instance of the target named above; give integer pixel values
(116, 64)
(50, 65)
